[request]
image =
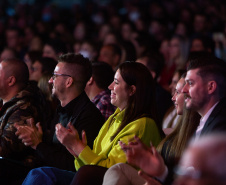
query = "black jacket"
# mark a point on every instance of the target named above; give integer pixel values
(84, 116)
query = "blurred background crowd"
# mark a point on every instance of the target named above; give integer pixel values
(134, 29)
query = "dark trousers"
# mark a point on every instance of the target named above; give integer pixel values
(12, 172)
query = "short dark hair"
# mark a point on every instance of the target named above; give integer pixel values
(18, 69)
(211, 68)
(78, 67)
(103, 74)
(48, 64)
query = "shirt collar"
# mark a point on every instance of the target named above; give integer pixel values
(206, 116)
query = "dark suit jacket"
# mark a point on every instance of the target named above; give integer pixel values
(217, 119)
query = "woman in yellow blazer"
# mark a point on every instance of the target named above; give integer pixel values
(133, 92)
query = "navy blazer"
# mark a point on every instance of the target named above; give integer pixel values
(217, 119)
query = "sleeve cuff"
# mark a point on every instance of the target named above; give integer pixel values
(163, 176)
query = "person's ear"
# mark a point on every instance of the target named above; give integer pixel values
(212, 86)
(69, 81)
(90, 82)
(132, 90)
(11, 80)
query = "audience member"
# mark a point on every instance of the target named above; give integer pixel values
(89, 49)
(97, 88)
(178, 53)
(132, 92)
(29, 58)
(54, 48)
(51, 101)
(8, 53)
(14, 41)
(155, 62)
(111, 54)
(148, 159)
(170, 118)
(19, 101)
(68, 82)
(205, 93)
(42, 66)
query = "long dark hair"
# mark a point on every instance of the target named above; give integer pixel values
(142, 102)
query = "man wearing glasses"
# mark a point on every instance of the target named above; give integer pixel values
(68, 82)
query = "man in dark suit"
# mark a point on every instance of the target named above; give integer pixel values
(205, 91)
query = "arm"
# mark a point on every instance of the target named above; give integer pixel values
(53, 155)
(107, 153)
(9, 142)
(143, 157)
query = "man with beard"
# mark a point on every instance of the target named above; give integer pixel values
(69, 80)
(205, 91)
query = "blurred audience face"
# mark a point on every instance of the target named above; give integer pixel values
(88, 51)
(107, 55)
(110, 39)
(79, 31)
(27, 60)
(199, 23)
(36, 44)
(12, 39)
(197, 45)
(178, 97)
(48, 51)
(37, 71)
(174, 49)
(164, 49)
(104, 30)
(173, 84)
(181, 29)
(126, 31)
(7, 53)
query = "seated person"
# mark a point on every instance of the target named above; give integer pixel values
(68, 82)
(131, 92)
(148, 159)
(97, 88)
(19, 101)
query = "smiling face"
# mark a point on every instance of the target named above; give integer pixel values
(178, 97)
(119, 91)
(196, 91)
(58, 84)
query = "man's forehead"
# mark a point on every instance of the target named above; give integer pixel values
(191, 73)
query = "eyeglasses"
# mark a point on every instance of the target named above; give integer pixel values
(57, 74)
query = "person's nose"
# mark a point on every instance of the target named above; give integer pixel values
(111, 86)
(50, 80)
(185, 88)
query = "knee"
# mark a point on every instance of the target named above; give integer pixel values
(114, 170)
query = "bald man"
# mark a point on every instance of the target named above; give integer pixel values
(19, 101)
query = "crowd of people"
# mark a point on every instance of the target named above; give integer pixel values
(121, 92)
